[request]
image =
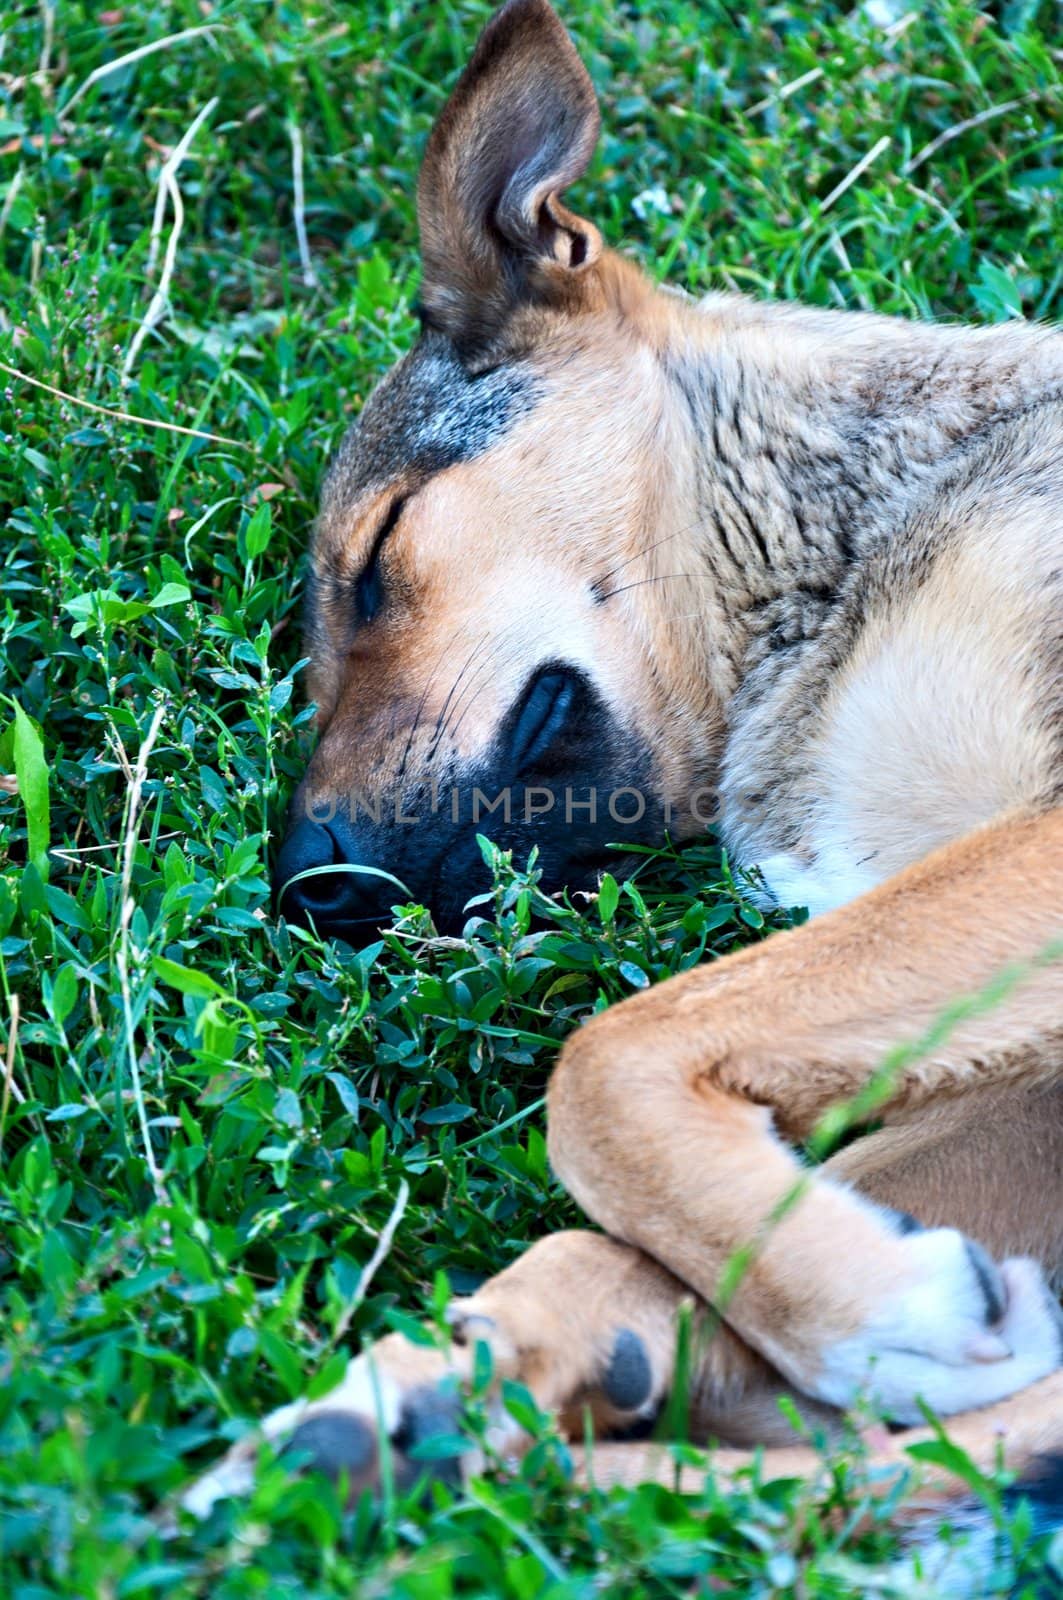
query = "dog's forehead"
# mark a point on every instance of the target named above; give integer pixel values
(427, 414)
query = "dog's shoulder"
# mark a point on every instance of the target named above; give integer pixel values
(925, 697)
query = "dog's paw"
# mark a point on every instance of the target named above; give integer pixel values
(394, 1397)
(398, 1396)
(957, 1333)
(568, 1365)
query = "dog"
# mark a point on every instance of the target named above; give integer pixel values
(594, 539)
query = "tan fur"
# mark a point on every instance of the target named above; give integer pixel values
(1011, 1435)
(974, 1160)
(678, 1082)
(495, 558)
(812, 562)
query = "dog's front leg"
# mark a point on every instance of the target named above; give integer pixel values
(665, 1116)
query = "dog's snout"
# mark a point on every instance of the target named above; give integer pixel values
(365, 837)
(547, 713)
(319, 884)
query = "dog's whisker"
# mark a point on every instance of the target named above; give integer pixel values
(638, 555)
(512, 645)
(464, 702)
(462, 628)
(663, 577)
(459, 678)
(512, 649)
(506, 642)
(456, 633)
(475, 684)
(449, 709)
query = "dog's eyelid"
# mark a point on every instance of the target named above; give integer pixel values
(369, 586)
(394, 512)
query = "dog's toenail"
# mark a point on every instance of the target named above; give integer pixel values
(628, 1378)
(335, 1443)
(988, 1281)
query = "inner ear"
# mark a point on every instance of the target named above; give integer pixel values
(564, 238)
(577, 249)
(520, 127)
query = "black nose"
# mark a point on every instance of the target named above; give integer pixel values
(334, 898)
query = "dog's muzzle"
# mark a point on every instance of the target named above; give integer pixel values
(341, 873)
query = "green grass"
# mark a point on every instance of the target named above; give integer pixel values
(285, 1090)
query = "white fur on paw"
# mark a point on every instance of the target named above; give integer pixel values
(934, 1342)
(363, 1391)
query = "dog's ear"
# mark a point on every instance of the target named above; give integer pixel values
(518, 129)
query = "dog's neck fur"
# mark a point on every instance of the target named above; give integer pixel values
(857, 410)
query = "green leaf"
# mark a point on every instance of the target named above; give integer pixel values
(57, 1267)
(941, 1452)
(186, 981)
(102, 608)
(68, 1112)
(330, 1377)
(287, 1109)
(65, 909)
(171, 594)
(31, 771)
(258, 531)
(439, 1116)
(347, 1092)
(608, 898)
(93, 438)
(64, 993)
(996, 293)
(284, 1360)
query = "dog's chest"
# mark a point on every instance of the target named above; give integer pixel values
(779, 818)
(844, 767)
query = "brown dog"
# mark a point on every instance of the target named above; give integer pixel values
(590, 539)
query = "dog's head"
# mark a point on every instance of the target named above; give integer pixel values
(503, 636)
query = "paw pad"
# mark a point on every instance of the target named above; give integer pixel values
(628, 1379)
(336, 1444)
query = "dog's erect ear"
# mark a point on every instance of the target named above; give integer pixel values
(518, 129)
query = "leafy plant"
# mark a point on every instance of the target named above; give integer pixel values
(207, 1117)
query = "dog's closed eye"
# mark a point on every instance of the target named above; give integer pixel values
(369, 587)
